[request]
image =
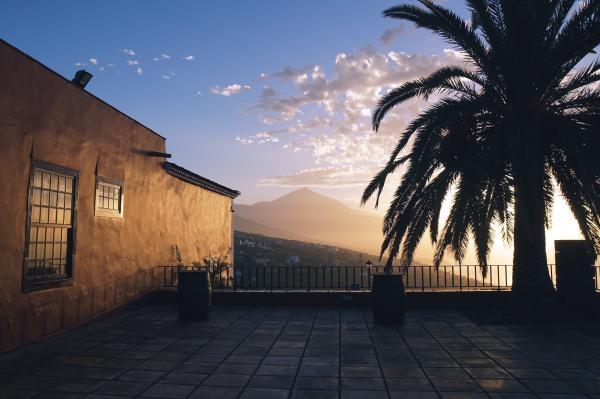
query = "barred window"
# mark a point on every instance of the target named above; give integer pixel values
(50, 225)
(109, 197)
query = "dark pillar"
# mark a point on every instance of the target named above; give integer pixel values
(575, 274)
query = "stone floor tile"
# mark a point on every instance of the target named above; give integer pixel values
(243, 359)
(586, 386)
(33, 383)
(501, 385)
(318, 383)
(124, 388)
(282, 360)
(438, 363)
(205, 392)
(302, 394)
(318, 371)
(231, 368)
(270, 369)
(549, 386)
(574, 374)
(463, 395)
(409, 384)
(176, 377)
(445, 372)
(349, 394)
(227, 380)
(455, 385)
(320, 361)
(271, 381)
(119, 363)
(99, 373)
(17, 393)
(78, 385)
(469, 362)
(512, 395)
(157, 365)
(487, 372)
(403, 372)
(537, 374)
(192, 367)
(83, 361)
(285, 352)
(413, 395)
(264, 393)
(142, 376)
(361, 372)
(172, 391)
(363, 384)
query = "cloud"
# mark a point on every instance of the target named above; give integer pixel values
(168, 75)
(189, 58)
(229, 90)
(162, 57)
(321, 177)
(93, 61)
(129, 52)
(327, 115)
(132, 62)
(391, 34)
(81, 64)
(139, 71)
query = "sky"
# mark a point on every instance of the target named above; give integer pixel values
(264, 96)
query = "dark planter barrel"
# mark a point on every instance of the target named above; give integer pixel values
(387, 296)
(193, 295)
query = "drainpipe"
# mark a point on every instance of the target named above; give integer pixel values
(232, 235)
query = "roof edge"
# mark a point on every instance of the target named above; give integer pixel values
(197, 180)
(83, 90)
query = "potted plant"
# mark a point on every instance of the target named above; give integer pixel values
(387, 297)
(194, 292)
(194, 295)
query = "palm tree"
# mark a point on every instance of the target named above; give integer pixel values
(521, 117)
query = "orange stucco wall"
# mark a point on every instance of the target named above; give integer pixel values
(46, 118)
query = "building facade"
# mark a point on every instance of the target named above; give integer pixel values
(89, 205)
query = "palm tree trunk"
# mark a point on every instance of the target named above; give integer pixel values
(532, 286)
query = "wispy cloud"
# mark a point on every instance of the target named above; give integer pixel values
(328, 116)
(162, 57)
(93, 61)
(168, 76)
(391, 34)
(132, 62)
(189, 58)
(229, 90)
(129, 52)
(347, 176)
(139, 71)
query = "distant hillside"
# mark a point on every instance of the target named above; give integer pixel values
(255, 249)
(258, 259)
(250, 226)
(316, 218)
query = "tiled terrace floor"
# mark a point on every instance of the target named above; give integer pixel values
(305, 353)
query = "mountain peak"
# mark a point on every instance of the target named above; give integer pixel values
(309, 197)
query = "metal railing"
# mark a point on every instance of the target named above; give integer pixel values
(356, 278)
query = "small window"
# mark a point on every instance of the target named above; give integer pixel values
(109, 197)
(49, 244)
